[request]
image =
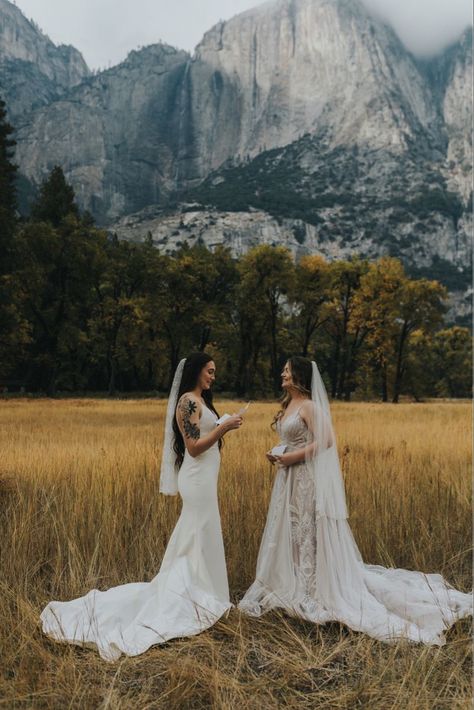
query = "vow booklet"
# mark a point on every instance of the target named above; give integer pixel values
(241, 412)
(278, 450)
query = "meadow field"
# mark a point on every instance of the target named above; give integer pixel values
(80, 508)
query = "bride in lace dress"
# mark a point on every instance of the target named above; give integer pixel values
(190, 591)
(309, 563)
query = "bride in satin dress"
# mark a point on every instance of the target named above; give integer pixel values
(190, 592)
(309, 564)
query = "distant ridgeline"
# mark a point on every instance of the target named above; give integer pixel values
(345, 202)
(274, 132)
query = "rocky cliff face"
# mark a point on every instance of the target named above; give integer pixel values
(291, 67)
(430, 245)
(115, 134)
(240, 231)
(33, 70)
(305, 114)
(457, 114)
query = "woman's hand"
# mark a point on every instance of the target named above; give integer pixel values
(233, 422)
(270, 456)
(289, 458)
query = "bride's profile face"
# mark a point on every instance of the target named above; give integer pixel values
(286, 377)
(207, 375)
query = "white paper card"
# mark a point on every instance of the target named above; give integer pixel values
(278, 450)
(241, 412)
(223, 418)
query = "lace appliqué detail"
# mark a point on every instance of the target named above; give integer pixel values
(303, 530)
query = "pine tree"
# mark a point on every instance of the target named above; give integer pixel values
(7, 190)
(56, 199)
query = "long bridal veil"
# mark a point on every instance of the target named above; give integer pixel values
(385, 603)
(309, 563)
(169, 470)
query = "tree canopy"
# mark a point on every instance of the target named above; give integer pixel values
(81, 310)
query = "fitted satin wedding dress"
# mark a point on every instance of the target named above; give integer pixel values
(189, 593)
(310, 566)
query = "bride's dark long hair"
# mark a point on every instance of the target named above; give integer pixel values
(189, 379)
(301, 374)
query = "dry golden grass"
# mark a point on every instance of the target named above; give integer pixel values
(80, 509)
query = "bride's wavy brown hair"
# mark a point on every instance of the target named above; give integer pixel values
(195, 362)
(301, 373)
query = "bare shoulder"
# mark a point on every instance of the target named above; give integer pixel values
(188, 413)
(188, 404)
(307, 412)
(307, 408)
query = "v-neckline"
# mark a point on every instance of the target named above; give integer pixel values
(288, 416)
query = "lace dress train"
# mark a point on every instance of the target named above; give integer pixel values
(296, 570)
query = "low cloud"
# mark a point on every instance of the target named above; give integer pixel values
(424, 26)
(106, 30)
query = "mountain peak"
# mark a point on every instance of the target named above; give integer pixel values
(34, 71)
(310, 110)
(22, 39)
(303, 66)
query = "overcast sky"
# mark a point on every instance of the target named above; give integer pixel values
(106, 30)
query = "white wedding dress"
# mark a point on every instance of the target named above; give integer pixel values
(310, 566)
(189, 593)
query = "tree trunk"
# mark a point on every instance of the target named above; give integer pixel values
(274, 354)
(334, 370)
(149, 365)
(174, 359)
(399, 368)
(254, 370)
(384, 384)
(341, 385)
(51, 388)
(150, 374)
(112, 388)
(205, 335)
(242, 383)
(306, 339)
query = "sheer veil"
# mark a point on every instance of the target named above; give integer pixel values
(169, 471)
(338, 574)
(323, 459)
(386, 603)
(309, 562)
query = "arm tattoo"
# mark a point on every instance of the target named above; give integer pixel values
(188, 408)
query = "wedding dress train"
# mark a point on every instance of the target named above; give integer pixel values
(189, 593)
(310, 566)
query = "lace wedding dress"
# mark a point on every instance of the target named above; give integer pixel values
(189, 593)
(310, 566)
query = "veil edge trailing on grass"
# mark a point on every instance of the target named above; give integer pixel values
(338, 572)
(169, 470)
(323, 460)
